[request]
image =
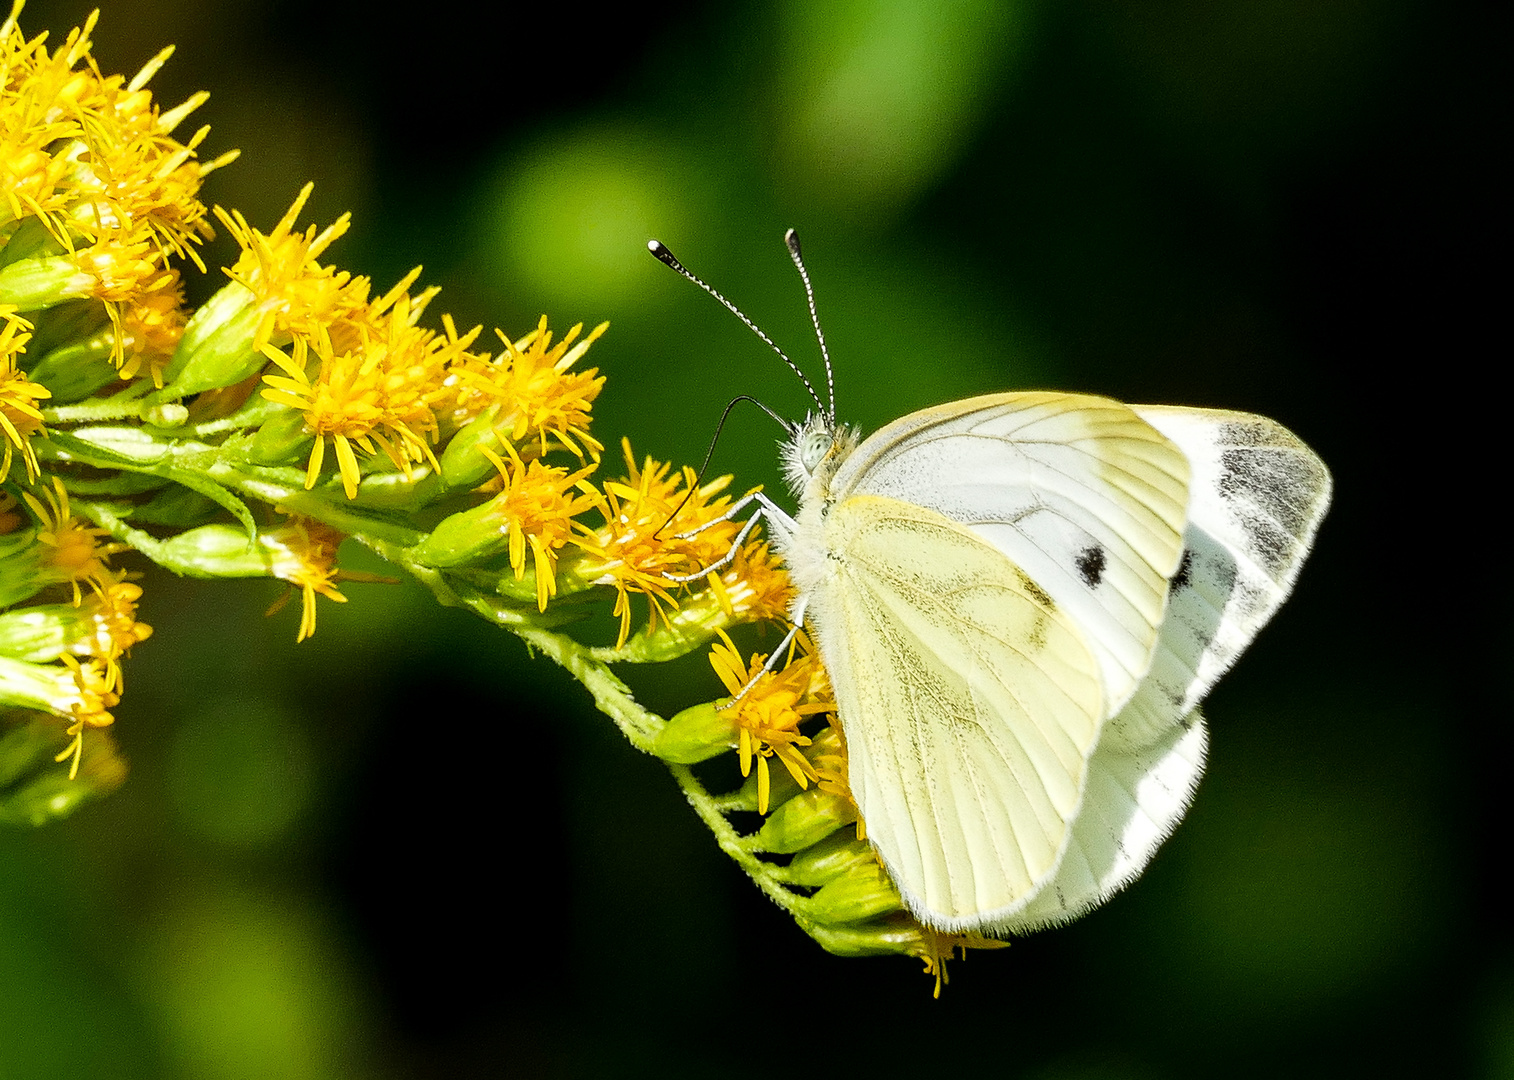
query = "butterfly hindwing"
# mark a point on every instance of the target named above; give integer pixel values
(969, 702)
(1078, 491)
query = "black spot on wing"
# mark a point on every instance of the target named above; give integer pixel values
(1184, 576)
(1278, 482)
(1090, 564)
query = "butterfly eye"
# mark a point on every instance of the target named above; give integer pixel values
(815, 446)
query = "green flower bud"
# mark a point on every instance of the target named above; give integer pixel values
(806, 819)
(697, 734)
(37, 283)
(887, 936)
(217, 348)
(31, 240)
(44, 687)
(215, 551)
(463, 462)
(465, 537)
(20, 567)
(861, 893)
(41, 634)
(76, 371)
(828, 860)
(282, 439)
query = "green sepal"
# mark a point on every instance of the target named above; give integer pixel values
(37, 283)
(44, 687)
(30, 240)
(697, 734)
(806, 819)
(214, 551)
(883, 937)
(674, 637)
(35, 788)
(41, 634)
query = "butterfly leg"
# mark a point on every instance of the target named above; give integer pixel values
(778, 521)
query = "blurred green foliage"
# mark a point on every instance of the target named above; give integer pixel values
(402, 849)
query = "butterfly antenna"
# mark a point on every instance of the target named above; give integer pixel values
(710, 453)
(666, 257)
(791, 238)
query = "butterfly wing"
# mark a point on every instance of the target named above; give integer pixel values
(969, 701)
(1257, 497)
(1080, 492)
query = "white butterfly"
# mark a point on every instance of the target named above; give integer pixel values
(1021, 600)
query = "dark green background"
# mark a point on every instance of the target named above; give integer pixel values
(404, 850)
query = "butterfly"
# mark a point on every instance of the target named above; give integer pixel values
(1021, 600)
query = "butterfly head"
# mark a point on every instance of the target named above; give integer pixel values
(814, 451)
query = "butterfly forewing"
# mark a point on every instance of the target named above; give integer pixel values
(1257, 497)
(969, 700)
(1078, 491)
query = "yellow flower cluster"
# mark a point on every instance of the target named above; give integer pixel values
(295, 410)
(91, 162)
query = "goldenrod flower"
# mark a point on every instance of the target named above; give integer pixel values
(380, 395)
(151, 323)
(93, 698)
(303, 553)
(769, 706)
(20, 418)
(755, 587)
(535, 507)
(91, 156)
(292, 292)
(539, 398)
(111, 614)
(72, 553)
(638, 548)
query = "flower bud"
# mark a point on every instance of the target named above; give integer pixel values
(282, 439)
(39, 635)
(218, 347)
(37, 283)
(465, 537)
(806, 819)
(862, 892)
(464, 464)
(828, 860)
(881, 937)
(696, 734)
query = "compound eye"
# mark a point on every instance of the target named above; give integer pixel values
(816, 445)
